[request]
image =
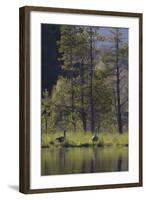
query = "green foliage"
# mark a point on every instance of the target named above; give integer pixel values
(68, 107)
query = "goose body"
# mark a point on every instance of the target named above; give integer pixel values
(94, 138)
(61, 138)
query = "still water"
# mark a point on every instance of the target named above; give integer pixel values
(83, 160)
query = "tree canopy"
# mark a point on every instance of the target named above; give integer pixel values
(91, 93)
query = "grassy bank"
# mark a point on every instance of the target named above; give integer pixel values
(84, 140)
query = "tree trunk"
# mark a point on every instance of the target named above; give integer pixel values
(119, 116)
(72, 95)
(72, 106)
(115, 105)
(46, 125)
(91, 83)
(83, 112)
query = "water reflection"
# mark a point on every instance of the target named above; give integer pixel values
(83, 160)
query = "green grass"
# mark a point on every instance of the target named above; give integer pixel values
(80, 139)
(106, 139)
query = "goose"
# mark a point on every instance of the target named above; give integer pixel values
(94, 138)
(61, 138)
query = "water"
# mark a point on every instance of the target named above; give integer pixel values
(83, 160)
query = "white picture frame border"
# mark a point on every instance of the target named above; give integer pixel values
(132, 176)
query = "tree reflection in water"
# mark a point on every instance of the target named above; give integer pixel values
(83, 160)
